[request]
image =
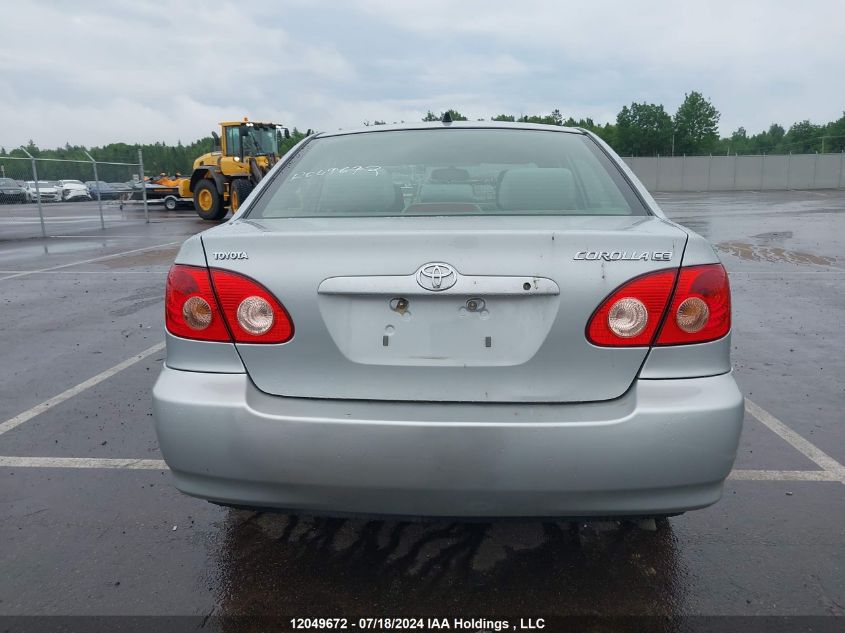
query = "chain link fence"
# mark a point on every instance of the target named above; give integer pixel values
(31, 188)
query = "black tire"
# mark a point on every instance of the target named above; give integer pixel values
(239, 190)
(170, 203)
(207, 202)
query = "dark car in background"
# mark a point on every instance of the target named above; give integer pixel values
(11, 191)
(106, 190)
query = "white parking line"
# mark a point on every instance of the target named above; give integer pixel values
(810, 451)
(89, 261)
(93, 463)
(832, 470)
(786, 272)
(87, 272)
(38, 409)
(82, 462)
(783, 475)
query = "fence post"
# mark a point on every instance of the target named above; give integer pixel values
(762, 172)
(683, 172)
(841, 166)
(788, 169)
(709, 164)
(736, 158)
(97, 182)
(37, 191)
(143, 186)
(815, 169)
(657, 175)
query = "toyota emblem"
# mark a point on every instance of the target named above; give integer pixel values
(436, 276)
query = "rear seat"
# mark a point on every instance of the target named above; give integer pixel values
(537, 189)
(360, 192)
(436, 192)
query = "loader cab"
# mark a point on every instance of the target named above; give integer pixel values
(241, 139)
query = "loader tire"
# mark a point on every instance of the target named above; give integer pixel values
(240, 188)
(207, 202)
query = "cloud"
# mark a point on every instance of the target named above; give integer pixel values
(95, 72)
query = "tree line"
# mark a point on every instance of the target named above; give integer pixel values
(640, 129)
(647, 129)
(159, 158)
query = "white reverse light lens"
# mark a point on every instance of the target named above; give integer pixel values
(255, 315)
(197, 313)
(627, 317)
(692, 315)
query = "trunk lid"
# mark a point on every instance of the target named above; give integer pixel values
(505, 322)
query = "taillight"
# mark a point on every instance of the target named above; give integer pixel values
(190, 308)
(630, 316)
(218, 305)
(701, 307)
(253, 313)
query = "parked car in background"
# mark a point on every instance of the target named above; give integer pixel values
(73, 190)
(11, 191)
(107, 190)
(48, 191)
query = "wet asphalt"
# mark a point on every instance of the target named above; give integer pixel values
(88, 541)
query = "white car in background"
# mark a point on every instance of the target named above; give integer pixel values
(47, 191)
(73, 190)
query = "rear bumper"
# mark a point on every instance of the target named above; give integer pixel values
(664, 447)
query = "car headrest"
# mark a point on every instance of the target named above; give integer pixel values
(537, 189)
(449, 174)
(358, 191)
(459, 192)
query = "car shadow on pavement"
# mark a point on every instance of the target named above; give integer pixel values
(273, 564)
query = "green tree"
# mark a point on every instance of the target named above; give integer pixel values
(803, 137)
(644, 129)
(738, 143)
(696, 125)
(835, 135)
(454, 114)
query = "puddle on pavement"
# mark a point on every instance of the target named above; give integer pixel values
(147, 258)
(141, 298)
(773, 235)
(775, 254)
(287, 564)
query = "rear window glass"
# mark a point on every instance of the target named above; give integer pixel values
(449, 172)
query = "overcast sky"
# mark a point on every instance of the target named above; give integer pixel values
(90, 73)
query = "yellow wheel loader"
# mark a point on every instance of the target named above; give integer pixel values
(243, 153)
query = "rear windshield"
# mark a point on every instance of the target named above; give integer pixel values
(448, 172)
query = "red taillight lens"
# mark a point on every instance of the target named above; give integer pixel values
(190, 309)
(254, 315)
(701, 307)
(207, 305)
(631, 314)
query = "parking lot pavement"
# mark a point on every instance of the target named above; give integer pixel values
(21, 221)
(92, 525)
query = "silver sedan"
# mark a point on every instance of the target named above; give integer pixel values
(455, 319)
